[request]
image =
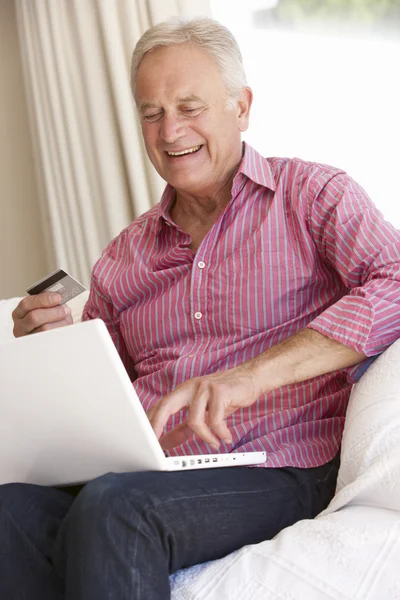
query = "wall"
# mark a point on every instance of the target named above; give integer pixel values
(22, 253)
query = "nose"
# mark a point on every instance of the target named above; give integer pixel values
(171, 128)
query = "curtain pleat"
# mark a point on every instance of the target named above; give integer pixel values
(93, 173)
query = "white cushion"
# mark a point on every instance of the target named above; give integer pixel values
(351, 550)
(370, 462)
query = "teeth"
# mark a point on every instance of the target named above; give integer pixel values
(185, 151)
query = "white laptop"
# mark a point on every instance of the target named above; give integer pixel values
(69, 412)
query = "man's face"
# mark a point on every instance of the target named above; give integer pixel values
(192, 136)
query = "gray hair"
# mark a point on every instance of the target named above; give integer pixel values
(210, 35)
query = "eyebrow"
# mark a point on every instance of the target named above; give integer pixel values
(191, 98)
(147, 105)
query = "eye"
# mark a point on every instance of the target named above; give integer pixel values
(153, 117)
(192, 111)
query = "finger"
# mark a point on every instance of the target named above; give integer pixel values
(56, 325)
(36, 319)
(41, 317)
(197, 416)
(216, 420)
(177, 436)
(169, 405)
(151, 412)
(29, 303)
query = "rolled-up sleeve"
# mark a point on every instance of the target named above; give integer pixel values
(352, 235)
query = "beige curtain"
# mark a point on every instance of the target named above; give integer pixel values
(93, 174)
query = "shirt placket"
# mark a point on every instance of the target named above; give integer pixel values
(198, 305)
(201, 311)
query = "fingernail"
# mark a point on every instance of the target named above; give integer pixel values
(228, 440)
(55, 297)
(67, 310)
(215, 446)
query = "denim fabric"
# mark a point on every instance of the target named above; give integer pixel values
(124, 534)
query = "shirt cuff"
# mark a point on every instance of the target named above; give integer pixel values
(349, 321)
(357, 371)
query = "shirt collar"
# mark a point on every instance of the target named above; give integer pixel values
(164, 217)
(253, 166)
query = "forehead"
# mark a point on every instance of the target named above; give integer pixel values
(180, 71)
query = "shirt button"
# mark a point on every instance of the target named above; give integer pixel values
(201, 264)
(168, 224)
(198, 315)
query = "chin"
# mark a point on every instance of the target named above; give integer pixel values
(184, 184)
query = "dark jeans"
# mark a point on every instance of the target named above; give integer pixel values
(123, 534)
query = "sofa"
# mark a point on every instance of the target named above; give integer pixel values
(351, 551)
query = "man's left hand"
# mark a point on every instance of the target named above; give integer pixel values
(209, 400)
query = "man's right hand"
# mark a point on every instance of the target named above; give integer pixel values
(40, 313)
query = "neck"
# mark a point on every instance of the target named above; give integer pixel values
(203, 207)
(197, 213)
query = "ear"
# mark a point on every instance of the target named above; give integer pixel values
(244, 103)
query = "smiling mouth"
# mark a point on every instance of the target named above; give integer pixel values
(184, 152)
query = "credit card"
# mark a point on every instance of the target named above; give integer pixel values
(58, 281)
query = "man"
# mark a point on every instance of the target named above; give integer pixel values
(243, 306)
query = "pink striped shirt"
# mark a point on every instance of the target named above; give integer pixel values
(299, 245)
